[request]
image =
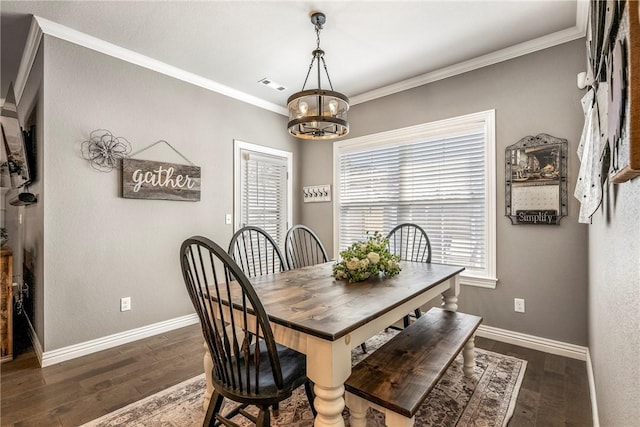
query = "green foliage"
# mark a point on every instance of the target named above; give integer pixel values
(362, 260)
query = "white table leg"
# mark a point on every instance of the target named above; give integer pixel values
(392, 419)
(469, 356)
(450, 296)
(357, 410)
(328, 367)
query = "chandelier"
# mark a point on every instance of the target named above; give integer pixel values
(318, 113)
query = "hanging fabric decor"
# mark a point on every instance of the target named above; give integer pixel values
(593, 153)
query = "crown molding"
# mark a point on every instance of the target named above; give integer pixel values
(28, 56)
(41, 26)
(62, 32)
(544, 42)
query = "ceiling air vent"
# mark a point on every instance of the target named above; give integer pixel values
(272, 84)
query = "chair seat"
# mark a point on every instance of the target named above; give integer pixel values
(293, 365)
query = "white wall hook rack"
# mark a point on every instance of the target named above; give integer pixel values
(317, 193)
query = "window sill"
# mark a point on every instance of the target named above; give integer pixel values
(479, 282)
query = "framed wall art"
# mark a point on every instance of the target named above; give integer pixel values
(536, 180)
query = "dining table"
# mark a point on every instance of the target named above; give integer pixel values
(325, 318)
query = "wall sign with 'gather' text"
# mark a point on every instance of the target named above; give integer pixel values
(145, 179)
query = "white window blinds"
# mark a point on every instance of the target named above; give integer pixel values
(264, 193)
(439, 181)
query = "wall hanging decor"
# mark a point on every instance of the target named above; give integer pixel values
(611, 134)
(104, 150)
(536, 180)
(14, 142)
(146, 179)
(622, 72)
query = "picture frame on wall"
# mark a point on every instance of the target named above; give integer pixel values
(14, 143)
(536, 180)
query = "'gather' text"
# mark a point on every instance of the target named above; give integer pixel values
(161, 177)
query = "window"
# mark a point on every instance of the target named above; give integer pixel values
(262, 188)
(439, 175)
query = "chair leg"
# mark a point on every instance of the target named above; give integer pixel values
(214, 407)
(276, 409)
(264, 417)
(308, 388)
(363, 346)
(406, 320)
(418, 313)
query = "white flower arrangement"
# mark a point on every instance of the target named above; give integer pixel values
(362, 260)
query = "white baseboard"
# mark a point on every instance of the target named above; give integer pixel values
(71, 352)
(592, 392)
(548, 346)
(52, 357)
(536, 343)
(33, 337)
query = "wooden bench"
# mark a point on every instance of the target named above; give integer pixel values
(397, 377)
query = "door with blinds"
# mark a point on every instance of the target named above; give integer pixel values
(262, 189)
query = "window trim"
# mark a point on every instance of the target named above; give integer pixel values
(412, 134)
(238, 146)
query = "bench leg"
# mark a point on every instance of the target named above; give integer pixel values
(469, 356)
(357, 410)
(391, 419)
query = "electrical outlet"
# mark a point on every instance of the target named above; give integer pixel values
(125, 304)
(518, 305)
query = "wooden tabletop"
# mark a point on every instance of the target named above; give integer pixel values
(310, 300)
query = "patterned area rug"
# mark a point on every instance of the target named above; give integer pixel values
(487, 399)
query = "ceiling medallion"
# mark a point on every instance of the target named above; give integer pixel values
(317, 113)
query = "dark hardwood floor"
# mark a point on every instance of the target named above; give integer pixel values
(554, 391)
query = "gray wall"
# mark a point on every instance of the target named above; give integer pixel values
(545, 265)
(614, 301)
(96, 247)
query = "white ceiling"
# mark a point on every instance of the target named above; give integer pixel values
(373, 48)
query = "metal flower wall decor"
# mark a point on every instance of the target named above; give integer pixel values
(104, 150)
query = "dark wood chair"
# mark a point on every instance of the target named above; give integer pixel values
(411, 243)
(255, 251)
(249, 372)
(302, 247)
(257, 254)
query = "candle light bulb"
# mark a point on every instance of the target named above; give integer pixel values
(333, 106)
(303, 107)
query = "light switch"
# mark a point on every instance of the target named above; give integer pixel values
(227, 219)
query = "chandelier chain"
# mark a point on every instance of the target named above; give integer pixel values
(327, 73)
(308, 72)
(318, 27)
